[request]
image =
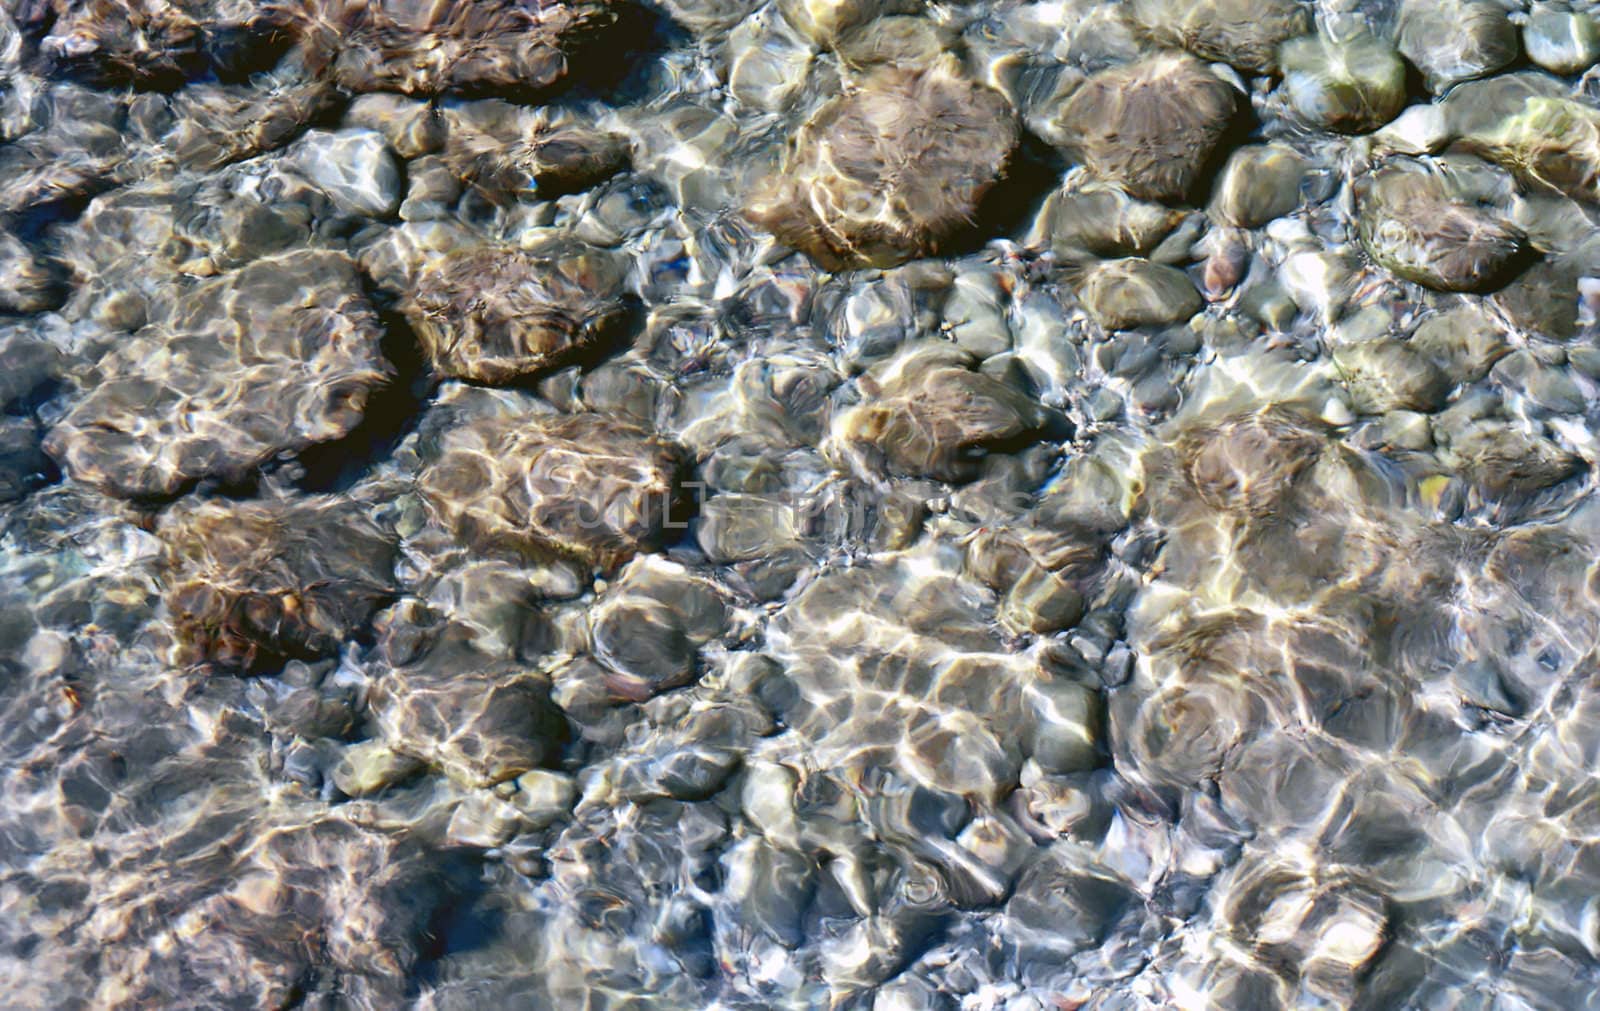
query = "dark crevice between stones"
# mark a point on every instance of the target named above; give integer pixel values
(1032, 174)
(615, 65)
(392, 412)
(1244, 128)
(31, 223)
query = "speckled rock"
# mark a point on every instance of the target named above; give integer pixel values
(1149, 126)
(1244, 33)
(1456, 40)
(389, 45)
(926, 414)
(894, 170)
(1349, 86)
(581, 485)
(1438, 226)
(493, 314)
(253, 582)
(273, 358)
(1122, 294)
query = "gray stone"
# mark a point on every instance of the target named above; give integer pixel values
(273, 358)
(1258, 183)
(1456, 40)
(1351, 86)
(355, 168)
(1438, 227)
(1561, 41)
(1123, 294)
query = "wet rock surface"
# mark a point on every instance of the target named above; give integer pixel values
(796, 505)
(893, 171)
(495, 314)
(235, 371)
(581, 484)
(1149, 126)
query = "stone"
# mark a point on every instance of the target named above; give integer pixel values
(480, 720)
(580, 485)
(367, 767)
(355, 168)
(251, 583)
(825, 21)
(218, 124)
(1452, 41)
(27, 282)
(1350, 86)
(1244, 33)
(33, 367)
(1095, 220)
(1462, 341)
(927, 414)
(23, 464)
(1552, 143)
(1259, 182)
(1561, 41)
(1438, 227)
(1061, 728)
(1123, 294)
(155, 44)
(1247, 464)
(412, 127)
(893, 170)
(1507, 459)
(493, 314)
(275, 357)
(1149, 126)
(651, 623)
(542, 163)
(491, 46)
(1387, 375)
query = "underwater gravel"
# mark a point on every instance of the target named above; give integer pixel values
(858, 504)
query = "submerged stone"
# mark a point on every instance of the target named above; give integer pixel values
(1149, 126)
(1122, 294)
(392, 45)
(253, 582)
(278, 356)
(1456, 40)
(893, 170)
(1260, 182)
(582, 485)
(1561, 41)
(480, 720)
(493, 314)
(1551, 142)
(1247, 464)
(928, 415)
(1244, 33)
(1437, 226)
(1350, 87)
(154, 43)
(1101, 220)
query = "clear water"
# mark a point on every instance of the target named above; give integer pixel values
(870, 505)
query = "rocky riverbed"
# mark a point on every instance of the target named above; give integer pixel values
(850, 504)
